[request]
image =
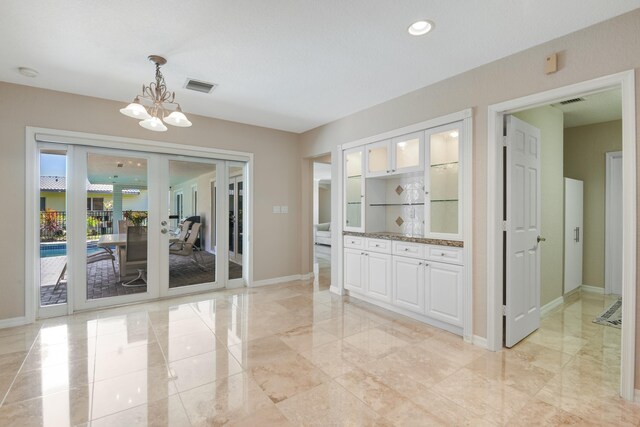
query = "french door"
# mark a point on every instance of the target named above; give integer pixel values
(135, 228)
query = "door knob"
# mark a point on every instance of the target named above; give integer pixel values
(541, 239)
(163, 231)
(163, 223)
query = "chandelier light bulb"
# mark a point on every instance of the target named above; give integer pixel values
(136, 110)
(177, 118)
(154, 124)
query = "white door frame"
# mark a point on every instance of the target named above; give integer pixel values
(626, 82)
(34, 135)
(608, 218)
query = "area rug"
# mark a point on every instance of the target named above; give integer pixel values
(612, 316)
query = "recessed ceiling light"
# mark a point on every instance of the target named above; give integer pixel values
(420, 28)
(28, 72)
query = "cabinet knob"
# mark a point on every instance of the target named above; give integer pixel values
(377, 246)
(419, 263)
(406, 249)
(443, 254)
(393, 170)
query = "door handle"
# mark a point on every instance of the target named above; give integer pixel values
(163, 223)
(541, 239)
(164, 231)
(577, 234)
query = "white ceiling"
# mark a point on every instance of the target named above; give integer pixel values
(285, 64)
(595, 108)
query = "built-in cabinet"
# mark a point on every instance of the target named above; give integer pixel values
(423, 279)
(410, 184)
(403, 221)
(368, 267)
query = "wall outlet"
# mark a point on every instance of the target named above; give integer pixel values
(284, 209)
(276, 209)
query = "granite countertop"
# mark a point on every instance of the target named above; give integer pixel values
(387, 235)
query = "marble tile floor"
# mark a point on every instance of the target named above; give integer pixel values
(294, 354)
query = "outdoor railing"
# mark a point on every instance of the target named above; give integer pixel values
(53, 224)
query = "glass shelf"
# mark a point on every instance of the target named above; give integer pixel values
(445, 200)
(443, 164)
(396, 204)
(354, 176)
(354, 203)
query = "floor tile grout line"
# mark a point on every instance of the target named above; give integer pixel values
(4, 398)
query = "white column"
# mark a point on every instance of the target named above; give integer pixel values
(117, 205)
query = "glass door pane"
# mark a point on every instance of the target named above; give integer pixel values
(116, 215)
(353, 189)
(192, 259)
(53, 227)
(236, 207)
(443, 181)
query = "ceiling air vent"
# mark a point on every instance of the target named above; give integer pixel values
(571, 101)
(200, 86)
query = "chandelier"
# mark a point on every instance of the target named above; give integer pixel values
(159, 99)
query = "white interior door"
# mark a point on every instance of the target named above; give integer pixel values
(613, 227)
(573, 233)
(522, 257)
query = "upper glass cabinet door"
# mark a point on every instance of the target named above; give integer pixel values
(444, 183)
(408, 153)
(378, 159)
(354, 189)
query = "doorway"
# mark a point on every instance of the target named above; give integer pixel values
(114, 225)
(322, 221)
(496, 207)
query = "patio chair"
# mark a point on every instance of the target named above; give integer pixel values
(136, 254)
(104, 254)
(186, 247)
(184, 230)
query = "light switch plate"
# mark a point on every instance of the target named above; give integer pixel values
(276, 209)
(284, 209)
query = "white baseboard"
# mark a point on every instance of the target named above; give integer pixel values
(479, 341)
(591, 289)
(283, 279)
(335, 290)
(14, 321)
(545, 309)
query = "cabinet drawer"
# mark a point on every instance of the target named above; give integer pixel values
(354, 242)
(444, 254)
(378, 245)
(409, 249)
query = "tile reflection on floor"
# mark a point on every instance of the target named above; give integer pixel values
(293, 354)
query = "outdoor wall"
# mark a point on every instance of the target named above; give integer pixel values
(584, 159)
(550, 121)
(276, 237)
(54, 200)
(324, 202)
(609, 47)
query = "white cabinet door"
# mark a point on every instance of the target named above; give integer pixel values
(354, 189)
(408, 283)
(353, 270)
(407, 153)
(378, 277)
(378, 158)
(444, 292)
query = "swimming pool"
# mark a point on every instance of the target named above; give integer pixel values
(60, 249)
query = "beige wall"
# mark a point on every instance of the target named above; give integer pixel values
(584, 159)
(324, 203)
(276, 237)
(550, 121)
(606, 48)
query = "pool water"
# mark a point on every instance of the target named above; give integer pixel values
(60, 249)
